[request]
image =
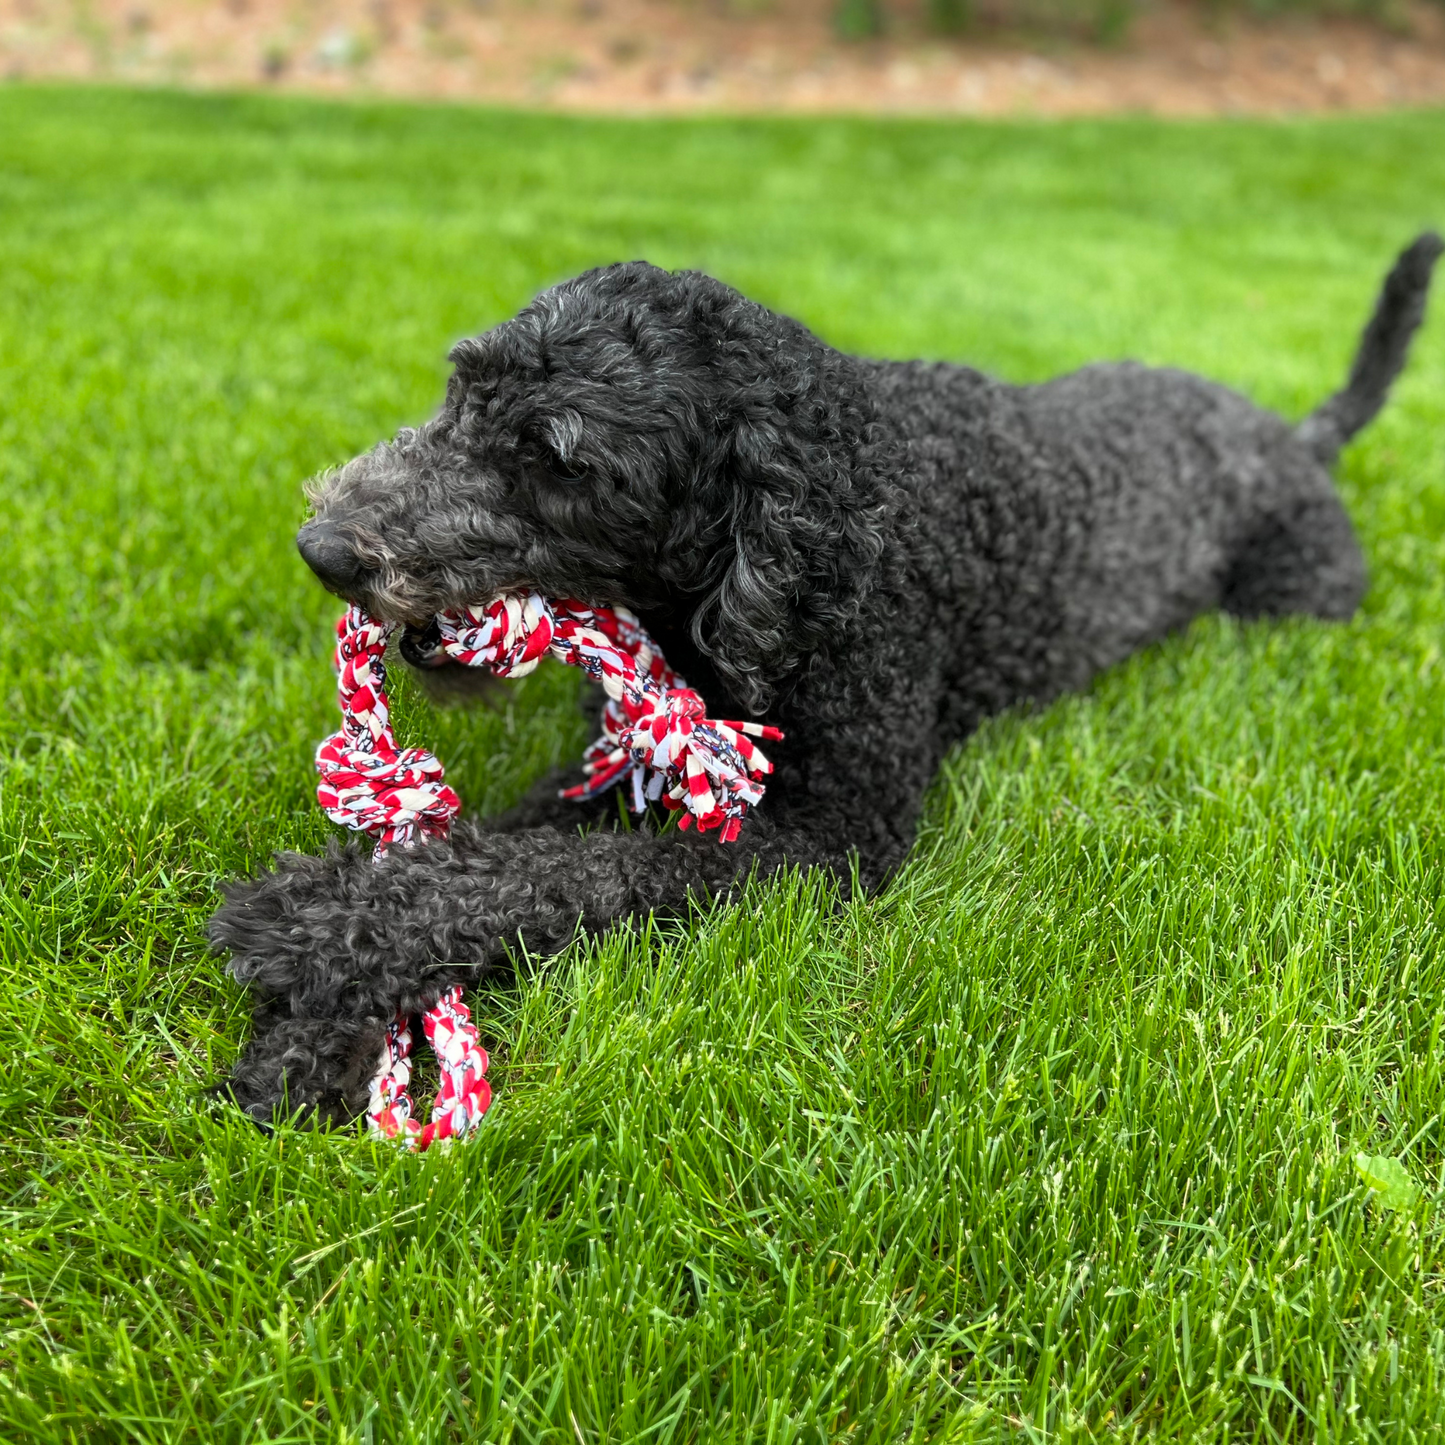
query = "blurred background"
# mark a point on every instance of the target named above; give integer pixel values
(1046, 57)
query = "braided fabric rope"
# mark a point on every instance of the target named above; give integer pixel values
(464, 1095)
(654, 732)
(654, 727)
(367, 783)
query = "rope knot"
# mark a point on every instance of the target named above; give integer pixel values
(367, 782)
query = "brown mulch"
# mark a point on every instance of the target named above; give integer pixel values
(684, 55)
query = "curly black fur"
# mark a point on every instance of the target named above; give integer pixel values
(872, 555)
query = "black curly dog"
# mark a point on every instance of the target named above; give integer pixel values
(873, 555)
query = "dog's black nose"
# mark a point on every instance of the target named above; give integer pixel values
(328, 554)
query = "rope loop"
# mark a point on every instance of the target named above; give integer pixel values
(464, 1095)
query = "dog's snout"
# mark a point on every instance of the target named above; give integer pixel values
(328, 554)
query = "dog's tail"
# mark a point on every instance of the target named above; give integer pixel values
(1382, 352)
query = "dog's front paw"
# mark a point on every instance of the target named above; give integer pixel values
(305, 930)
(319, 1069)
(341, 937)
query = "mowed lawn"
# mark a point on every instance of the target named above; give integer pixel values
(1056, 1137)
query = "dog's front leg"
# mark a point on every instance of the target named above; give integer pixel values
(335, 946)
(341, 934)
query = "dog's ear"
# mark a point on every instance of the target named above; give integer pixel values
(803, 546)
(746, 621)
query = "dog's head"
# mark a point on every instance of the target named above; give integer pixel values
(632, 437)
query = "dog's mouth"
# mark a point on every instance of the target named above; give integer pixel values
(422, 646)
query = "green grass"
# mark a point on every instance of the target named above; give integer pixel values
(1056, 1137)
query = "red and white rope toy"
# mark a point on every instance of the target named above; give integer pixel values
(654, 733)
(464, 1095)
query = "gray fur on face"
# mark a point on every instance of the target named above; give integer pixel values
(873, 555)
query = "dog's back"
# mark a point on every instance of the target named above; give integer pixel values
(1065, 525)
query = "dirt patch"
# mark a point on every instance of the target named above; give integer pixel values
(678, 55)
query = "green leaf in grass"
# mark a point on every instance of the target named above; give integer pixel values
(1388, 1179)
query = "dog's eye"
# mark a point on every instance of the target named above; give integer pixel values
(561, 436)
